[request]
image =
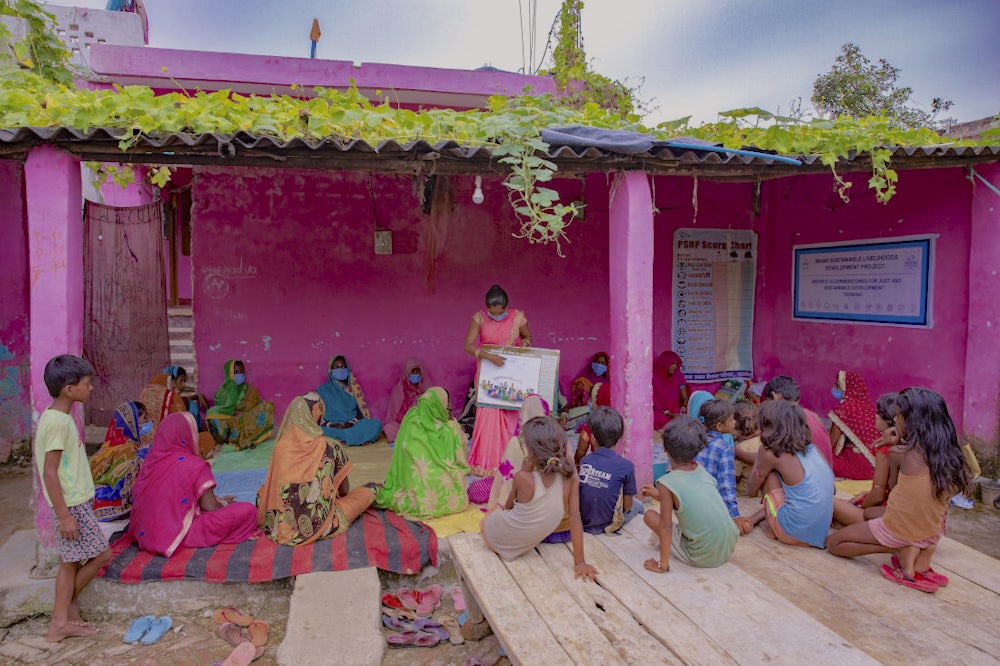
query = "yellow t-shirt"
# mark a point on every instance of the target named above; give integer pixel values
(57, 432)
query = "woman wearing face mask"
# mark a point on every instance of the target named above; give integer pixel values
(404, 396)
(165, 394)
(116, 464)
(853, 432)
(346, 417)
(595, 373)
(239, 417)
(670, 392)
(496, 324)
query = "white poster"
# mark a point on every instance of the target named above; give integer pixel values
(715, 272)
(877, 281)
(526, 370)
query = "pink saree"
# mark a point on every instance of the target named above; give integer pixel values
(494, 427)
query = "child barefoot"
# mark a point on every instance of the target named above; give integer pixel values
(718, 456)
(545, 488)
(62, 465)
(930, 467)
(704, 535)
(797, 482)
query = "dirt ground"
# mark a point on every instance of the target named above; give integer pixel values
(197, 643)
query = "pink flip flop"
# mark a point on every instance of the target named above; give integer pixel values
(241, 655)
(938, 579)
(412, 638)
(899, 577)
(409, 597)
(428, 600)
(458, 598)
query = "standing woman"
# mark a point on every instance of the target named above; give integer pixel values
(494, 325)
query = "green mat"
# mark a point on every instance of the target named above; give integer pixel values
(231, 460)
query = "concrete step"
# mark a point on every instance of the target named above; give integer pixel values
(180, 311)
(178, 347)
(334, 617)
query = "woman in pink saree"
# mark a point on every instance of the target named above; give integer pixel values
(495, 325)
(410, 386)
(174, 504)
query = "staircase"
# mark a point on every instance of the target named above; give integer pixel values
(180, 334)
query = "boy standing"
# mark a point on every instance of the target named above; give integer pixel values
(704, 535)
(62, 465)
(606, 477)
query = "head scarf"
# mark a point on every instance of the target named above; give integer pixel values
(124, 426)
(666, 387)
(855, 415)
(172, 480)
(342, 401)
(172, 372)
(583, 385)
(405, 393)
(697, 399)
(230, 394)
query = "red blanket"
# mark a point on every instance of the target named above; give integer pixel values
(378, 538)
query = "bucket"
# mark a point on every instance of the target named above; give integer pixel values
(990, 490)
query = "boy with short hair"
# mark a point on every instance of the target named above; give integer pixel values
(605, 477)
(704, 534)
(61, 460)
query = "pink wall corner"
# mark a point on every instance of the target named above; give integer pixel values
(285, 276)
(982, 366)
(15, 393)
(136, 193)
(630, 257)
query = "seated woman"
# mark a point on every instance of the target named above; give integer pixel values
(404, 396)
(306, 495)
(596, 372)
(162, 396)
(239, 417)
(116, 464)
(670, 393)
(346, 417)
(853, 432)
(426, 478)
(600, 396)
(173, 502)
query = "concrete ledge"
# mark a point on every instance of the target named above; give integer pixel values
(334, 617)
(22, 596)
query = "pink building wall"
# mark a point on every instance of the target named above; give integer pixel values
(15, 393)
(286, 277)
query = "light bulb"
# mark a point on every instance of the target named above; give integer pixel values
(477, 196)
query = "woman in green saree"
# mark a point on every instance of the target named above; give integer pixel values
(426, 478)
(239, 417)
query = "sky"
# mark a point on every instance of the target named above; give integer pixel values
(688, 57)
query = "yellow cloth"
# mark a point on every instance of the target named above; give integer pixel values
(852, 487)
(464, 521)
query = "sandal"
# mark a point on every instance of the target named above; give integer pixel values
(933, 576)
(458, 598)
(409, 597)
(258, 633)
(899, 577)
(232, 634)
(412, 638)
(391, 601)
(234, 615)
(428, 600)
(477, 631)
(450, 625)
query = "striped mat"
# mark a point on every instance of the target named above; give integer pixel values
(378, 538)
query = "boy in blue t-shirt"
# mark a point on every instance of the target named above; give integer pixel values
(606, 478)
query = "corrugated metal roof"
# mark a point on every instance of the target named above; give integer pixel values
(244, 148)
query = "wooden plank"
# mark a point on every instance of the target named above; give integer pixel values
(669, 626)
(633, 642)
(751, 622)
(568, 622)
(850, 597)
(956, 559)
(520, 629)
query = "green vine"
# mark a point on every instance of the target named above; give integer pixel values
(41, 51)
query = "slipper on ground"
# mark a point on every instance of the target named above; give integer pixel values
(428, 600)
(258, 632)
(412, 638)
(933, 576)
(138, 628)
(232, 634)
(236, 616)
(899, 577)
(409, 597)
(157, 629)
(458, 598)
(241, 655)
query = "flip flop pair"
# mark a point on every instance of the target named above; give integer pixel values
(938, 579)
(148, 629)
(413, 638)
(898, 576)
(422, 602)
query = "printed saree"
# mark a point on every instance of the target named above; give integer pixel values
(853, 454)
(426, 477)
(116, 464)
(346, 417)
(239, 417)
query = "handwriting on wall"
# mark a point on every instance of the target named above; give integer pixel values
(217, 279)
(48, 253)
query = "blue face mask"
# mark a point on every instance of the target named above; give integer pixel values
(239, 378)
(499, 317)
(146, 428)
(838, 394)
(340, 374)
(599, 369)
(415, 378)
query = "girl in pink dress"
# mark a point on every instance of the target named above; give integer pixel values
(495, 325)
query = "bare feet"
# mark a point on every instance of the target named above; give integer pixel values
(74, 615)
(68, 630)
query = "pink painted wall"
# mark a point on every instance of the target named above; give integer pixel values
(804, 210)
(15, 394)
(286, 277)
